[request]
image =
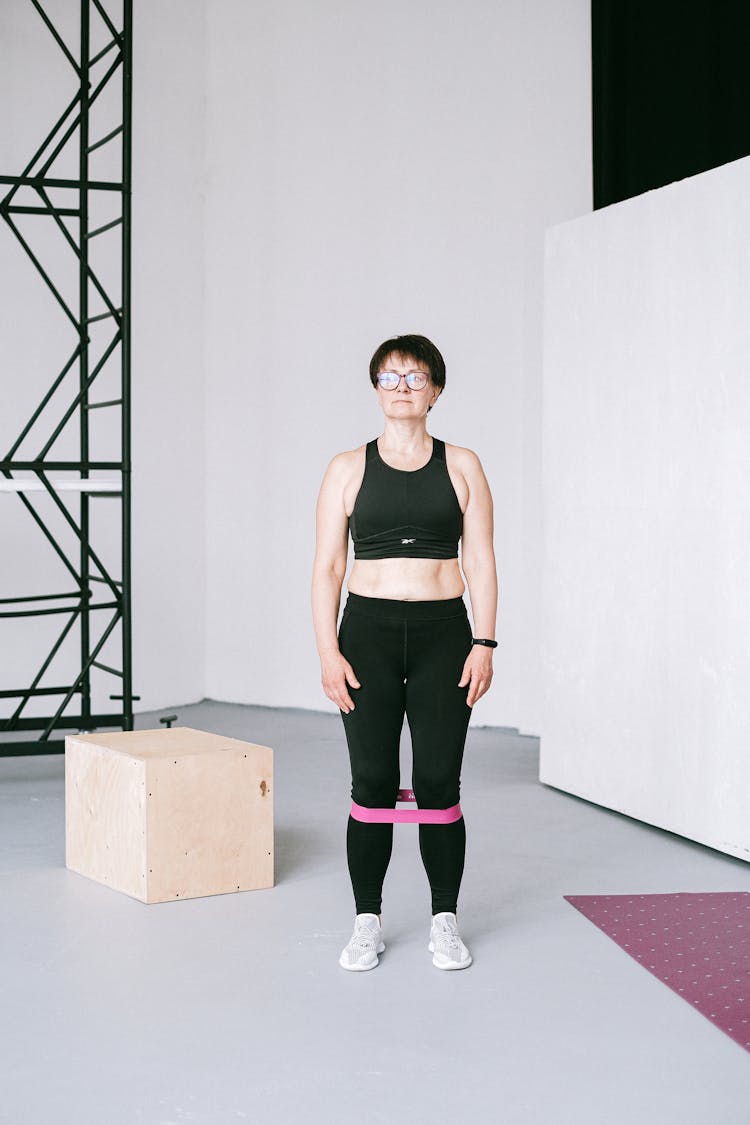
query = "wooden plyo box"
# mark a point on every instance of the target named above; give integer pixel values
(169, 814)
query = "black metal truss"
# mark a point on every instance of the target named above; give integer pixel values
(99, 614)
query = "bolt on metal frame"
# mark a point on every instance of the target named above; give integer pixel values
(110, 67)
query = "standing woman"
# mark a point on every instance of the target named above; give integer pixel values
(405, 645)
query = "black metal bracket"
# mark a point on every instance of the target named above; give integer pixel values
(99, 603)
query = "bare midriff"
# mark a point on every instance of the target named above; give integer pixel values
(409, 580)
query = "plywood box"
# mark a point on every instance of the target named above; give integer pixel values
(169, 814)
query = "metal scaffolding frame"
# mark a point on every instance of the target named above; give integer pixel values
(110, 67)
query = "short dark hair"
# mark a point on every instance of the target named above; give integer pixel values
(410, 347)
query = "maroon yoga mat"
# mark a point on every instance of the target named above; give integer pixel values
(697, 944)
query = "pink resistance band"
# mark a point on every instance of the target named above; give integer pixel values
(406, 816)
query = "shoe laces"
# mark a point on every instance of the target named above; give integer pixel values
(364, 936)
(447, 933)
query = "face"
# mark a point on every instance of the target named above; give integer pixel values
(403, 402)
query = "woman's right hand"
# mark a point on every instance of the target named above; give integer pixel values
(336, 673)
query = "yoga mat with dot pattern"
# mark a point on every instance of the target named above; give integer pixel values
(697, 944)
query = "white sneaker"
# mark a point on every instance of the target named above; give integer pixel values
(445, 943)
(366, 942)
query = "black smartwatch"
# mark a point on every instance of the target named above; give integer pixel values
(483, 641)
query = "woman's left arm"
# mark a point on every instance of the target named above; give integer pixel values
(478, 565)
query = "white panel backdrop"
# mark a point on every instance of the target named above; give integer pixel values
(646, 644)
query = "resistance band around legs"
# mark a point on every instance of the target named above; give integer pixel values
(406, 816)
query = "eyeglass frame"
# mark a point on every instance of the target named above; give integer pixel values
(404, 376)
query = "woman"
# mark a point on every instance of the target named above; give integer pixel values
(405, 645)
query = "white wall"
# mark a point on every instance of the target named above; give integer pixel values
(308, 179)
(646, 661)
(169, 435)
(36, 82)
(376, 169)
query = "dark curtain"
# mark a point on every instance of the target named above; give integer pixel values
(671, 91)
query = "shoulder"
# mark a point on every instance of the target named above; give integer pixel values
(464, 465)
(463, 460)
(342, 465)
(343, 478)
(345, 473)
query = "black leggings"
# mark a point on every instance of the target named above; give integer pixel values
(408, 658)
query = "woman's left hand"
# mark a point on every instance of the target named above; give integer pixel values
(477, 673)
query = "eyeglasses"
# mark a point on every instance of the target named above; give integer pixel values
(415, 380)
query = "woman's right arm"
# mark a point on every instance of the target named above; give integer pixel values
(329, 569)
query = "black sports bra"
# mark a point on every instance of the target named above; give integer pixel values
(406, 514)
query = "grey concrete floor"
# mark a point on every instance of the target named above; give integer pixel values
(233, 1008)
